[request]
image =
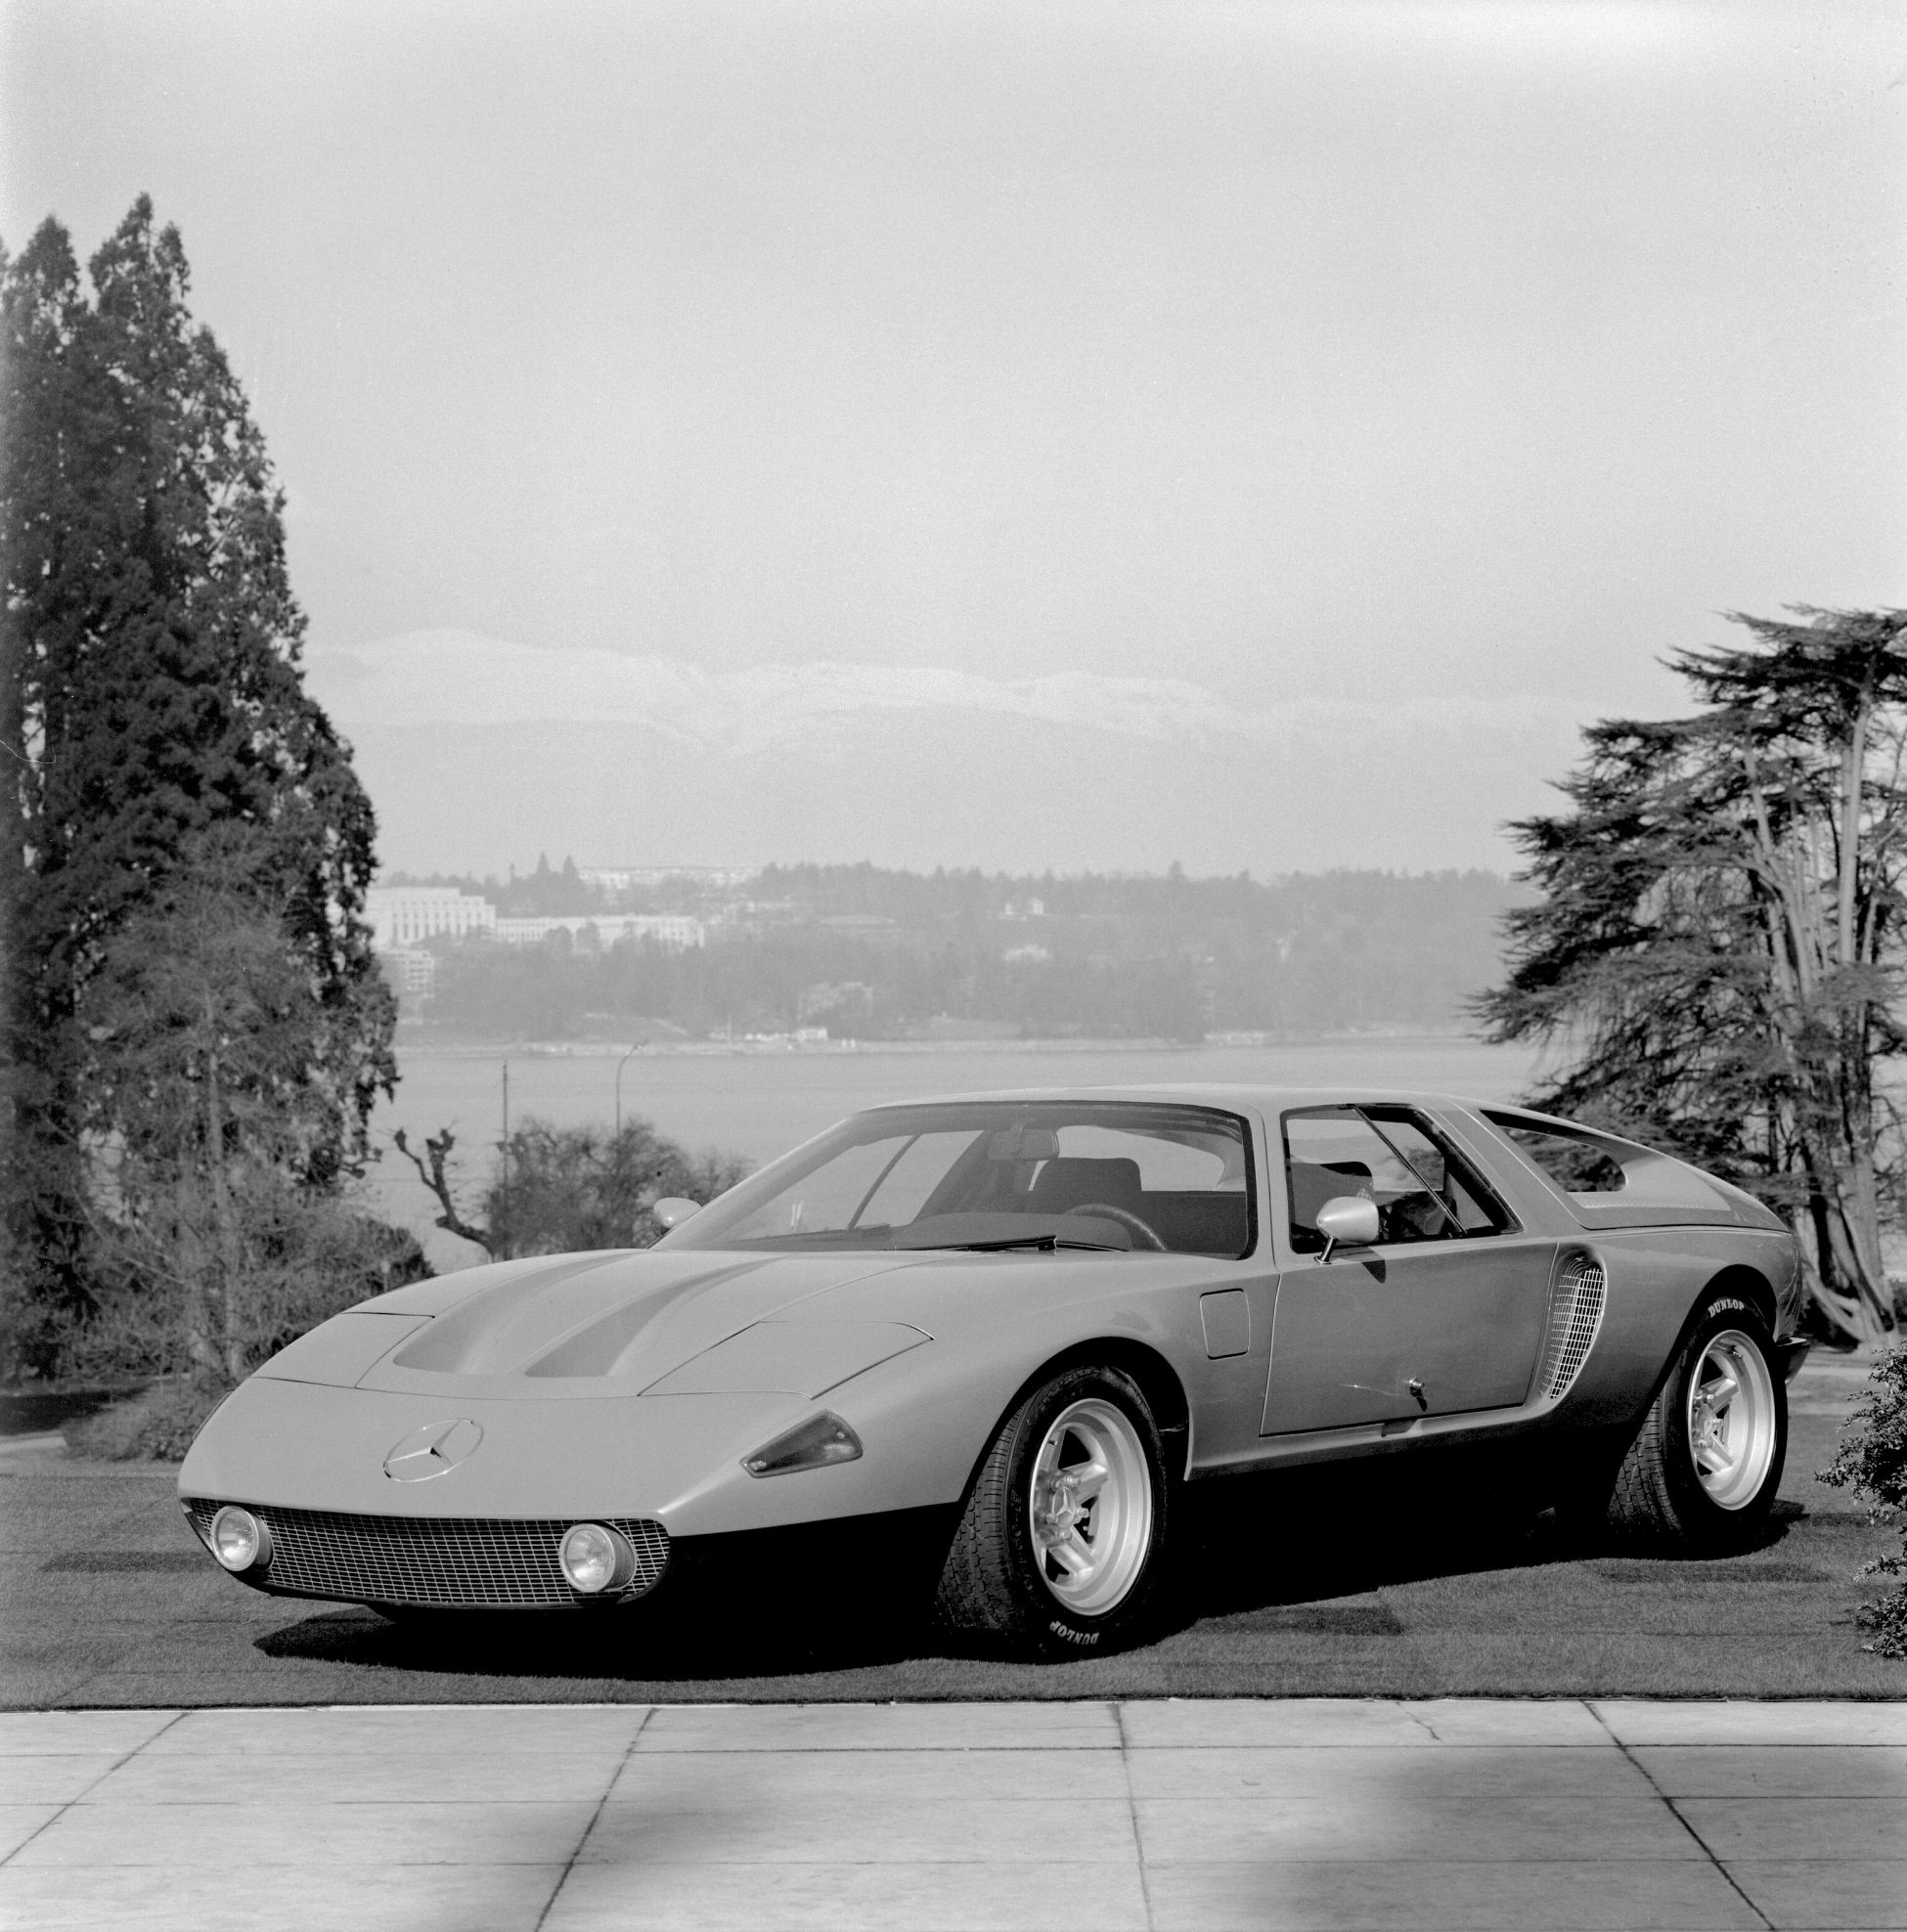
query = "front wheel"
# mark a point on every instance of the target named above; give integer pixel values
(1703, 1470)
(1060, 1545)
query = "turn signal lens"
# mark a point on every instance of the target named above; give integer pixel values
(811, 1445)
(597, 1559)
(240, 1541)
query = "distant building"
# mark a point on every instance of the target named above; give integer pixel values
(528, 932)
(670, 929)
(860, 922)
(831, 996)
(401, 915)
(412, 972)
(625, 878)
(675, 929)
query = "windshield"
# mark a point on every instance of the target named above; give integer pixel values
(1001, 1174)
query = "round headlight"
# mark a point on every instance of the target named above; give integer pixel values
(596, 1559)
(240, 1541)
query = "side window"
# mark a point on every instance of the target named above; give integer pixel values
(1477, 1209)
(1590, 1166)
(1578, 1163)
(1424, 1190)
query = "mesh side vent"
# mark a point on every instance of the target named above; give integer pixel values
(1575, 1313)
(508, 1562)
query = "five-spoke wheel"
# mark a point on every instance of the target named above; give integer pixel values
(1060, 1543)
(1706, 1459)
(1090, 1506)
(1731, 1419)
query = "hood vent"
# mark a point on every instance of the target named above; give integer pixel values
(485, 1332)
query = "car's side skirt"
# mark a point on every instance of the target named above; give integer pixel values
(1376, 1439)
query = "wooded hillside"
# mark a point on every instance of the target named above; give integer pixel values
(869, 954)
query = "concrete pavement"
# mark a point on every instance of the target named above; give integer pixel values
(1096, 1816)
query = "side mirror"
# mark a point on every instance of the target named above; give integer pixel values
(672, 1211)
(1347, 1220)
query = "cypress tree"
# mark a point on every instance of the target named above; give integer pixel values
(1718, 951)
(155, 710)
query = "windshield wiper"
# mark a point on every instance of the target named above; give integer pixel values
(1045, 1243)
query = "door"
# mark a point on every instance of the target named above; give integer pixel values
(1444, 1313)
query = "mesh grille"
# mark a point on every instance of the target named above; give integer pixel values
(452, 1561)
(1575, 1313)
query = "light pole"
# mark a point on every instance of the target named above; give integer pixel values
(620, 1065)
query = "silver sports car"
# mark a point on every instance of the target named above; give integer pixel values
(1030, 1320)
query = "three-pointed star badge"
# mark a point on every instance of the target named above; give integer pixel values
(436, 1449)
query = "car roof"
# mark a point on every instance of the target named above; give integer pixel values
(1268, 1100)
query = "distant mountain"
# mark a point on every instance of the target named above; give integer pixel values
(478, 753)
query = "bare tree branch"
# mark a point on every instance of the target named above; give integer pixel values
(437, 1148)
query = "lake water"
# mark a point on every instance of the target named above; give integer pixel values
(760, 1103)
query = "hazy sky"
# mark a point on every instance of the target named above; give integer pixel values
(1337, 351)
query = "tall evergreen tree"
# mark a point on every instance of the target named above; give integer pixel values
(1718, 948)
(153, 695)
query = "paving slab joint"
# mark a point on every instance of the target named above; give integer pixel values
(1133, 1808)
(1674, 1811)
(79, 1797)
(562, 1877)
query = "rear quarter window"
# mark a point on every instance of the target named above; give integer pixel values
(1605, 1169)
(1578, 1163)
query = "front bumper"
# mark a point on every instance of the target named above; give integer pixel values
(452, 1563)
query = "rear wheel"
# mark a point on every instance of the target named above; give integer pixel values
(1060, 1545)
(1703, 1470)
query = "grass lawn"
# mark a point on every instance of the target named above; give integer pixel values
(1351, 1588)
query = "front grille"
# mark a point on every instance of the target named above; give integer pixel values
(1575, 1313)
(472, 1561)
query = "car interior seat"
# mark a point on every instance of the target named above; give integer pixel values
(1072, 1181)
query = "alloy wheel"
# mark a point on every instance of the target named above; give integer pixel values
(1089, 1507)
(1731, 1419)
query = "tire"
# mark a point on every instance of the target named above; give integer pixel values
(1048, 1566)
(1700, 1475)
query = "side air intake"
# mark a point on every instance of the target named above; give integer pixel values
(1575, 1313)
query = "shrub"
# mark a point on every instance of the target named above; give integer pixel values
(308, 1256)
(296, 1259)
(156, 1424)
(571, 1188)
(1872, 1461)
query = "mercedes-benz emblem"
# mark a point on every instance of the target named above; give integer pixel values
(436, 1449)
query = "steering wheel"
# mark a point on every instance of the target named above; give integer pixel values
(1142, 1233)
